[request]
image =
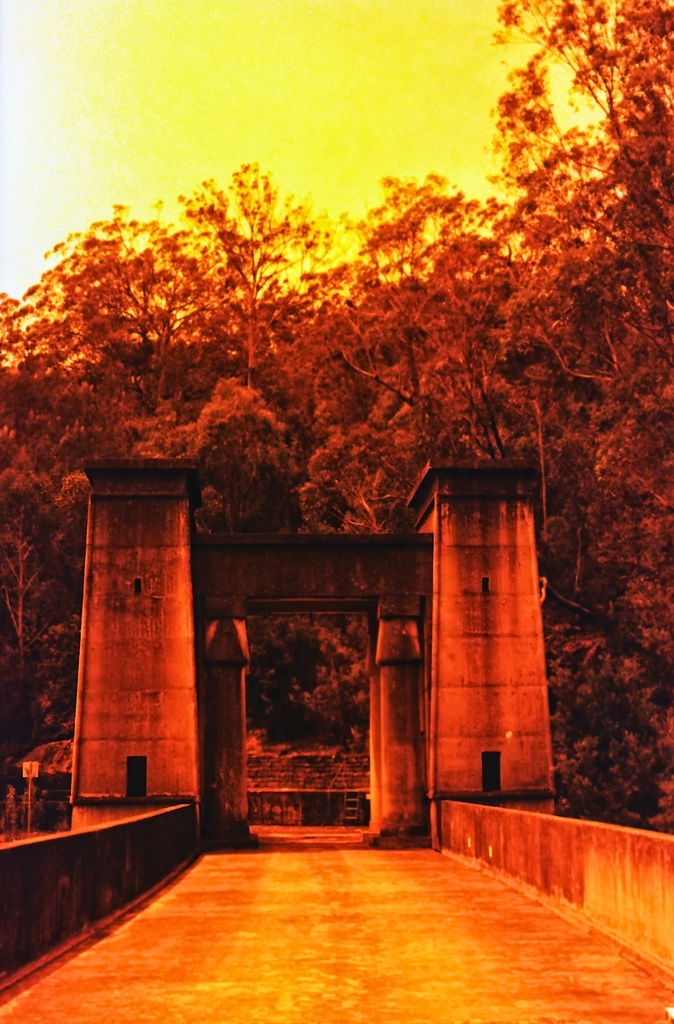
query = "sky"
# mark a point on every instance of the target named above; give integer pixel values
(132, 102)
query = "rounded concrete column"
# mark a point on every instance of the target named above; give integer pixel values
(225, 801)
(403, 803)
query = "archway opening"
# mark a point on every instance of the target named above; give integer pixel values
(308, 708)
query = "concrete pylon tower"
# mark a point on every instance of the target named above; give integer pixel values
(136, 742)
(489, 732)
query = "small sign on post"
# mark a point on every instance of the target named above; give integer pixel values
(30, 772)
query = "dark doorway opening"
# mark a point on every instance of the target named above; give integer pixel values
(136, 776)
(491, 770)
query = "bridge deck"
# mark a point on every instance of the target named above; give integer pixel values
(342, 933)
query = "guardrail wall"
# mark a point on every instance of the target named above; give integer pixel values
(54, 888)
(620, 880)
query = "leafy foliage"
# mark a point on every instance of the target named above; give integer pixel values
(607, 757)
(312, 369)
(307, 679)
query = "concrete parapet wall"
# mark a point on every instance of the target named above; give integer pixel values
(620, 880)
(55, 888)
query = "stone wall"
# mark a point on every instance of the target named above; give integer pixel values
(308, 771)
(57, 887)
(307, 789)
(620, 880)
(305, 807)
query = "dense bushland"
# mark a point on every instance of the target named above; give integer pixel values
(312, 369)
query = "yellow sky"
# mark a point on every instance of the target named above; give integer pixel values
(133, 101)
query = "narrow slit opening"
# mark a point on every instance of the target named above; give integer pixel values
(137, 585)
(485, 584)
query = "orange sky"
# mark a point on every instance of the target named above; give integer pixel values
(133, 101)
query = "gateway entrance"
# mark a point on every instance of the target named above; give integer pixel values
(458, 696)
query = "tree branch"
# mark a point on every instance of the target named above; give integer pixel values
(570, 604)
(408, 399)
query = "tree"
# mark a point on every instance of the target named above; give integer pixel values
(425, 314)
(246, 460)
(307, 679)
(588, 327)
(265, 253)
(595, 201)
(35, 602)
(20, 569)
(124, 303)
(608, 759)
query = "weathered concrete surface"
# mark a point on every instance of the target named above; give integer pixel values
(297, 568)
(488, 684)
(343, 935)
(620, 879)
(136, 692)
(225, 785)
(404, 808)
(53, 888)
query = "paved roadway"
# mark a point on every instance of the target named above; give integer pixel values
(296, 933)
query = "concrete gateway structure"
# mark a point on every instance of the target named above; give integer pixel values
(458, 696)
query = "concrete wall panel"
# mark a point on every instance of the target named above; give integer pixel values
(55, 888)
(621, 880)
(523, 765)
(490, 660)
(103, 770)
(305, 567)
(488, 665)
(497, 711)
(137, 683)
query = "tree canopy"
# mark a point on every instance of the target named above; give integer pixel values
(313, 368)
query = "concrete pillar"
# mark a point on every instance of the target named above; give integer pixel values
(489, 720)
(136, 743)
(225, 794)
(403, 803)
(374, 675)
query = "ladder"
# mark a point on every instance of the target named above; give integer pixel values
(351, 808)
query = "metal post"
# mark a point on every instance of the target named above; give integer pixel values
(30, 770)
